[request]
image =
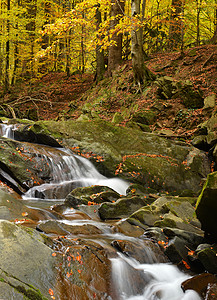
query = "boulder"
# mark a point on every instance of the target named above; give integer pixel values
(206, 207)
(90, 195)
(207, 257)
(139, 157)
(209, 101)
(122, 208)
(62, 229)
(201, 284)
(27, 266)
(144, 251)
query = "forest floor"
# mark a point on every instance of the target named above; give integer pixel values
(56, 96)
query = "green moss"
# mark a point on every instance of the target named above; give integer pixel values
(30, 294)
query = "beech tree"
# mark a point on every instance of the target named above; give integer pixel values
(115, 50)
(141, 72)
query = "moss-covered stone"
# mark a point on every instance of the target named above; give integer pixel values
(147, 117)
(21, 253)
(95, 193)
(121, 208)
(206, 207)
(207, 257)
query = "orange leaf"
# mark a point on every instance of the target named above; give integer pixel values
(51, 292)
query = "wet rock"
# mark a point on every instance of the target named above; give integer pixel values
(176, 250)
(128, 229)
(174, 212)
(94, 194)
(211, 293)
(207, 257)
(121, 208)
(159, 162)
(144, 251)
(85, 270)
(34, 133)
(206, 206)
(144, 216)
(60, 228)
(23, 250)
(191, 238)
(201, 284)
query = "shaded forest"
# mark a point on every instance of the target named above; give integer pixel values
(39, 37)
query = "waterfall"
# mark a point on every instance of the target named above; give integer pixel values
(163, 280)
(69, 171)
(7, 130)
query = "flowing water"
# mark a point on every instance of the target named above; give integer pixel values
(158, 281)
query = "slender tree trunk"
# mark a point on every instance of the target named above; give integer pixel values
(100, 62)
(141, 72)
(198, 22)
(7, 58)
(115, 51)
(175, 31)
(214, 37)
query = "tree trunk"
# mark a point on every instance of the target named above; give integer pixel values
(175, 31)
(7, 57)
(100, 62)
(141, 72)
(214, 37)
(115, 51)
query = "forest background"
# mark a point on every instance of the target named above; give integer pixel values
(94, 37)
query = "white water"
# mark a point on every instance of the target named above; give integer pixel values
(68, 172)
(156, 281)
(164, 281)
(7, 130)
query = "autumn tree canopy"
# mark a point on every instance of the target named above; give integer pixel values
(39, 36)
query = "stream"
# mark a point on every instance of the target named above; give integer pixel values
(157, 281)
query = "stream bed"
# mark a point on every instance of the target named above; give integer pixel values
(141, 276)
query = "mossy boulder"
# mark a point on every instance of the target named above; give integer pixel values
(206, 207)
(168, 212)
(207, 257)
(134, 155)
(27, 265)
(147, 117)
(121, 208)
(93, 194)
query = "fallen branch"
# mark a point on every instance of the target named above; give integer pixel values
(205, 63)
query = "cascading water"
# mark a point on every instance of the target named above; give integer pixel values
(69, 171)
(164, 281)
(7, 130)
(157, 281)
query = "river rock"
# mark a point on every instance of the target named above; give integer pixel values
(60, 228)
(201, 284)
(91, 195)
(140, 157)
(144, 251)
(84, 272)
(207, 257)
(33, 133)
(126, 228)
(121, 208)
(174, 212)
(206, 207)
(27, 266)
